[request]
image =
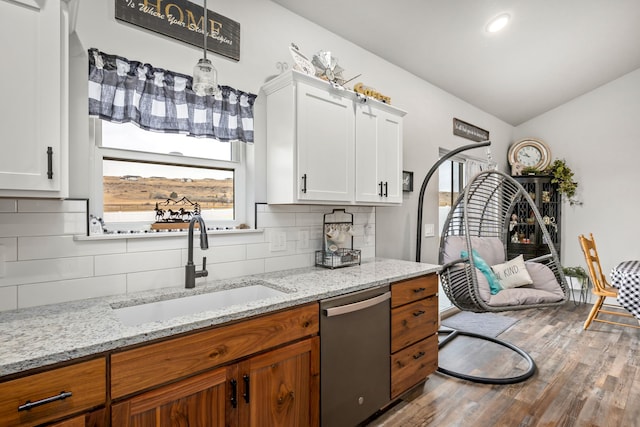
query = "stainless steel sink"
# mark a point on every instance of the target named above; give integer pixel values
(168, 309)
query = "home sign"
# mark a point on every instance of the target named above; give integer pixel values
(183, 20)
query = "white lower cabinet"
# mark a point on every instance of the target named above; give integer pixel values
(325, 145)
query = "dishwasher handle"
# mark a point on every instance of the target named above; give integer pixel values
(357, 306)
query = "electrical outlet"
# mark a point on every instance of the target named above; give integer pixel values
(429, 230)
(278, 241)
(368, 229)
(303, 239)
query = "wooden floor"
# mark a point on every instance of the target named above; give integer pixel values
(584, 378)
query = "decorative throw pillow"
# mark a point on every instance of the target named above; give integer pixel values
(513, 273)
(494, 283)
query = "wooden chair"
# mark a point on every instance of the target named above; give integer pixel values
(601, 288)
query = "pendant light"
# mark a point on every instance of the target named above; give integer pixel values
(205, 76)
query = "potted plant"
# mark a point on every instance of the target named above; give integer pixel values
(563, 176)
(530, 170)
(579, 274)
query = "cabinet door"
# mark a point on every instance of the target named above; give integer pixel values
(281, 387)
(199, 401)
(325, 144)
(32, 115)
(378, 155)
(91, 419)
(53, 394)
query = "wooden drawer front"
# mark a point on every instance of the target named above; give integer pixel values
(413, 364)
(85, 381)
(413, 322)
(413, 289)
(155, 364)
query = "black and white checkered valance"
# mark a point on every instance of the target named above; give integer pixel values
(161, 100)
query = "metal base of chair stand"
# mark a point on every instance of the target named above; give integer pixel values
(453, 333)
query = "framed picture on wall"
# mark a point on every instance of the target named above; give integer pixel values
(407, 181)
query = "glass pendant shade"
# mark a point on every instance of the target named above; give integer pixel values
(205, 78)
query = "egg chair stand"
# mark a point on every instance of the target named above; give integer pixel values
(479, 222)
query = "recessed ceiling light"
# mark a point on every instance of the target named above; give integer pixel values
(498, 23)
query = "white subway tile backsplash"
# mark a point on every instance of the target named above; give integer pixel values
(41, 205)
(236, 269)
(288, 262)
(8, 205)
(46, 264)
(155, 279)
(10, 248)
(233, 239)
(368, 252)
(43, 247)
(36, 271)
(309, 219)
(283, 208)
(8, 298)
(70, 290)
(41, 224)
(137, 261)
(263, 250)
(216, 255)
(266, 220)
(156, 244)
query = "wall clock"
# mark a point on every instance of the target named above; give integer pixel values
(529, 152)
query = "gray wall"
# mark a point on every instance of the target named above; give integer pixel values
(267, 29)
(597, 134)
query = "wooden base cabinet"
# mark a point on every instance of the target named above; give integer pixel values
(262, 371)
(414, 327)
(278, 388)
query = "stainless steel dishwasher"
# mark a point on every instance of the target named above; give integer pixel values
(354, 356)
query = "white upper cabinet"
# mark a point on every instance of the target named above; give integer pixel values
(378, 154)
(325, 146)
(33, 111)
(325, 136)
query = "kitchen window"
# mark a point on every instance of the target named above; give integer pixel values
(146, 169)
(137, 172)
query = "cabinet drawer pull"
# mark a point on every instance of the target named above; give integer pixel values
(246, 388)
(418, 290)
(418, 313)
(49, 162)
(234, 393)
(30, 405)
(304, 183)
(419, 355)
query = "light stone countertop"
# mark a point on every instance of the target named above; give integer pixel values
(39, 336)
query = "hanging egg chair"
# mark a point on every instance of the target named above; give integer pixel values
(475, 274)
(473, 247)
(475, 238)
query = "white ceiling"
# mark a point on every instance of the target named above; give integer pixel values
(551, 52)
